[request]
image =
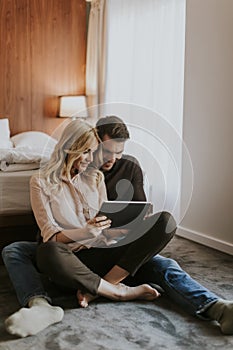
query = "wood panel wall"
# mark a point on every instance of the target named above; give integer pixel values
(42, 56)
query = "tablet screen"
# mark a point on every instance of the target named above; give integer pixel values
(123, 213)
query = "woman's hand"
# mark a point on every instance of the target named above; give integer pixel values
(96, 225)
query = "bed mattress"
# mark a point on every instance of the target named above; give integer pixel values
(14, 192)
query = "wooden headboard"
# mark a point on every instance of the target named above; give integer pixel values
(42, 56)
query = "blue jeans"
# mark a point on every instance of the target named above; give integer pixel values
(19, 259)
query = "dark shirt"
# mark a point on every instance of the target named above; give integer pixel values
(124, 182)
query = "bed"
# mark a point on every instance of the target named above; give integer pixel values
(20, 158)
(14, 192)
(17, 221)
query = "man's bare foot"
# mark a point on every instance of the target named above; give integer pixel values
(85, 299)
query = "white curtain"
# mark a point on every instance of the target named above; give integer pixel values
(144, 85)
(96, 53)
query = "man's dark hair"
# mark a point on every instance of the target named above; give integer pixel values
(112, 126)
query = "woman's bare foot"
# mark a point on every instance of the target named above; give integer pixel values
(85, 299)
(119, 292)
(144, 291)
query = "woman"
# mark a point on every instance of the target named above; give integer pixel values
(66, 197)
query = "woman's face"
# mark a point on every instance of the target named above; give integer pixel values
(85, 159)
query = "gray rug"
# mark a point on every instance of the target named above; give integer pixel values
(107, 325)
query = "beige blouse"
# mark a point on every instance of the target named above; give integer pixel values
(68, 209)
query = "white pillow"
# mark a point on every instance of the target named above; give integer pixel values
(5, 141)
(35, 140)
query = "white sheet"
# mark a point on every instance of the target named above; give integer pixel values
(14, 192)
(24, 155)
(4, 166)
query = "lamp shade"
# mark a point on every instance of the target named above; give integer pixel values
(72, 106)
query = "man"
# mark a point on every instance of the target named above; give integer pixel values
(124, 181)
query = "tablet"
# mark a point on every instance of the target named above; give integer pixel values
(123, 213)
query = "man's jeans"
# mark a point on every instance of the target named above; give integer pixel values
(19, 259)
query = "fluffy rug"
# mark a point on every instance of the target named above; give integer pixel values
(107, 325)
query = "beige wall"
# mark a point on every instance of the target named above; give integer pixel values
(208, 121)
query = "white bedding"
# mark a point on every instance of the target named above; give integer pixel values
(14, 192)
(19, 156)
(23, 155)
(4, 166)
(23, 151)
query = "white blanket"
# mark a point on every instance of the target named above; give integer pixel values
(22, 158)
(4, 166)
(24, 155)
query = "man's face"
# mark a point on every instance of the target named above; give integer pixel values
(112, 151)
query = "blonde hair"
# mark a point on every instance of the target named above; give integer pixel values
(75, 139)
